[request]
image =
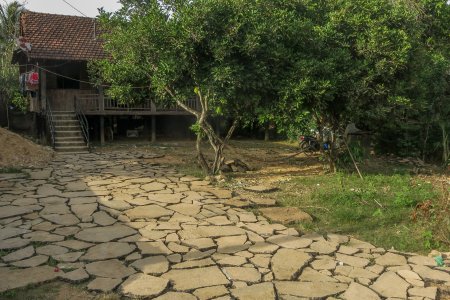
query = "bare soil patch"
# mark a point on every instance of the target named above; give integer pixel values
(17, 151)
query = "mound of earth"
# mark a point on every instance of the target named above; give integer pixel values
(17, 151)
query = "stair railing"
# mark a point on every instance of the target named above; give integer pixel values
(83, 121)
(50, 122)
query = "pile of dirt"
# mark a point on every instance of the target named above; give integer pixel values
(17, 151)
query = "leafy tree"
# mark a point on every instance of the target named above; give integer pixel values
(223, 53)
(361, 49)
(9, 22)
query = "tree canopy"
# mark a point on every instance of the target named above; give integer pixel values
(285, 62)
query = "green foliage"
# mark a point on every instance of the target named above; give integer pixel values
(9, 17)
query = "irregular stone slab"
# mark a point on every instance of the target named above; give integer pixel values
(431, 275)
(41, 174)
(154, 265)
(357, 291)
(107, 251)
(427, 292)
(189, 279)
(43, 236)
(288, 241)
(115, 204)
(75, 276)
(391, 259)
(51, 250)
(11, 211)
(422, 260)
(153, 248)
(354, 272)
(19, 254)
(185, 209)
(105, 234)
(9, 232)
(232, 261)
(310, 290)
(147, 212)
(66, 231)
(195, 254)
(103, 284)
(200, 243)
(263, 201)
(102, 218)
(218, 231)
(31, 262)
(260, 188)
(12, 279)
(153, 186)
(109, 268)
(166, 198)
(262, 247)
(309, 274)
(352, 260)
(210, 292)
(194, 264)
(287, 262)
(14, 243)
(237, 202)
(74, 244)
(59, 209)
(84, 210)
(286, 215)
(82, 200)
(66, 220)
(355, 243)
(176, 296)
(142, 285)
(390, 284)
(219, 220)
(250, 275)
(232, 244)
(324, 247)
(255, 292)
(68, 257)
(324, 264)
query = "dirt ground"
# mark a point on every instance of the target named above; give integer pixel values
(17, 151)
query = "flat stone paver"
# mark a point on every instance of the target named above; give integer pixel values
(132, 226)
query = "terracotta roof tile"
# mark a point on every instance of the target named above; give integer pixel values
(61, 37)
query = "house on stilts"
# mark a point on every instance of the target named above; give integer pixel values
(53, 54)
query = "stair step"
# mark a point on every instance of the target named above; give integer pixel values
(71, 149)
(70, 144)
(67, 128)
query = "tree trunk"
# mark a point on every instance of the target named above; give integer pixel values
(266, 132)
(205, 128)
(445, 142)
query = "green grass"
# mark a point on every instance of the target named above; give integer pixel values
(10, 170)
(377, 209)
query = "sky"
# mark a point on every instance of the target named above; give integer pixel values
(87, 7)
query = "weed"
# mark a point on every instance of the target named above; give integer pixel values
(376, 209)
(11, 170)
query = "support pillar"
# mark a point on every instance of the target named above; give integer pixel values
(102, 130)
(43, 94)
(153, 129)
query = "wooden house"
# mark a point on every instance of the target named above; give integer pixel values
(59, 48)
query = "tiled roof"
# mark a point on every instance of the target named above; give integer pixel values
(61, 37)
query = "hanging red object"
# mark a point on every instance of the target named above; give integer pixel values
(33, 79)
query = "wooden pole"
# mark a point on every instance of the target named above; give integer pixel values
(102, 130)
(153, 129)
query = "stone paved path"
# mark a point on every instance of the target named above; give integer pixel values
(122, 222)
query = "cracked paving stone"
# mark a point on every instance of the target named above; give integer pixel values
(105, 234)
(19, 254)
(142, 285)
(287, 262)
(255, 292)
(107, 251)
(189, 279)
(112, 268)
(103, 284)
(147, 212)
(357, 291)
(176, 296)
(31, 262)
(16, 278)
(154, 265)
(309, 290)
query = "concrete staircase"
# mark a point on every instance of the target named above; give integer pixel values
(68, 135)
